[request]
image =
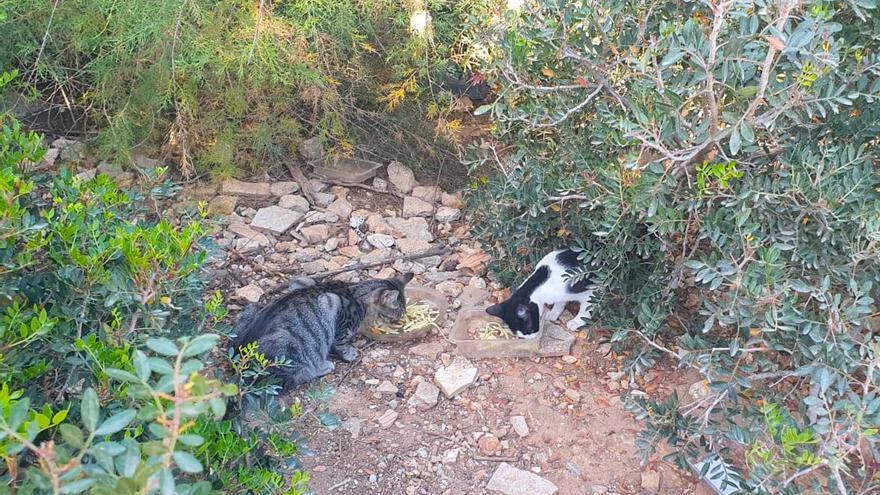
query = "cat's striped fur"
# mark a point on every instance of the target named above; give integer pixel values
(316, 321)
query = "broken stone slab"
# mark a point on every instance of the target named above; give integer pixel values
(429, 350)
(323, 200)
(283, 188)
(341, 207)
(275, 219)
(428, 194)
(555, 341)
(401, 177)
(514, 481)
(387, 418)
(415, 207)
(446, 214)
(473, 296)
(520, 426)
(412, 228)
(380, 240)
(450, 200)
(311, 150)
(316, 234)
(250, 293)
(456, 377)
(250, 189)
(412, 246)
(651, 481)
(425, 397)
(386, 387)
(145, 163)
(222, 205)
(353, 426)
(293, 202)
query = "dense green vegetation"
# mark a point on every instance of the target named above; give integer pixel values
(726, 150)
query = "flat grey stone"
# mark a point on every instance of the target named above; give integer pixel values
(513, 481)
(275, 219)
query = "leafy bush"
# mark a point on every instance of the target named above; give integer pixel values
(106, 372)
(232, 84)
(716, 164)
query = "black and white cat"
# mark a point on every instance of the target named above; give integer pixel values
(547, 285)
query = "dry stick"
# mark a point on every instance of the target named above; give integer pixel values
(305, 184)
(363, 186)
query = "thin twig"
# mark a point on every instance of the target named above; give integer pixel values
(45, 39)
(363, 186)
(256, 32)
(786, 9)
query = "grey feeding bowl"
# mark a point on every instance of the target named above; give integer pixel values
(351, 170)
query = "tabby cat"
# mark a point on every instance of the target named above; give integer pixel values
(315, 321)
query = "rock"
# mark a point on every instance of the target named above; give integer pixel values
(599, 489)
(250, 189)
(456, 377)
(450, 200)
(616, 375)
(380, 240)
(473, 296)
(320, 217)
(305, 254)
(250, 293)
(50, 157)
(429, 350)
(69, 149)
(428, 194)
(311, 150)
(313, 267)
(145, 163)
(377, 225)
(283, 188)
(520, 426)
(275, 219)
(412, 246)
(698, 390)
(572, 395)
(415, 207)
(380, 184)
(292, 202)
(386, 387)
(425, 397)
(446, 214)
(319, 185)
(350, 252)
(386, 272)
(387, 418)
(331, 244)
(450, 288)
(341, 207)
(250, 238)
(248, 212)
(411, 228)
(401, 177)
(513, 481)
(222, 205)
(450, 456)
(488, 444)
(569, 359)
(87, 175)
(316, 234)
(353, 426)
(110, 169)
(651, 481)
(323, 200)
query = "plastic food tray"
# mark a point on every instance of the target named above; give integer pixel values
(414, 294)
(349, 170)
(554, 341)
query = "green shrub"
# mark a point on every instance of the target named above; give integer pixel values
(107, 376)
(726, 150)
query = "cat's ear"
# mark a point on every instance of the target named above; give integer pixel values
(494, 310)
(389, 297)
(404, 278)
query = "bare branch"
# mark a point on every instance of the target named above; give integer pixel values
(785, 11)
(571, 111)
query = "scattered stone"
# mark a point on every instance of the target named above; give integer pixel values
(69, 149)
(305, 254)
(412, 246)
(353, 426)
(319, 185)
(315, 234)
(387, 418)
(651, 481)
(292, 202)
(387, 387)
(320, 217)
(425, 397)
(331, 244)
(569, 359)
(450, 200)
(446, 214)
(415, 207)
(599, 489)
(247, 212)
(456, 377)
(87, 175)
(488, 444)
(450, 288)
(376, 255)
(450, 456)
(341, 207)
(222, 205)
(386, 272)
(513, 481)
(283, 188)
(275, 219)
(411, 228)
(313, 267)
(473, 296)
(380, 184)
(401, 177)
(250, 293)
(235, 187)
(377, 225)
(146, 163)
(50, 157)
(572, 395)
(350, 252)
(698, 390)
(429, 350)
(428, 194)
(520, 426)
(250, 239)
(380, 240)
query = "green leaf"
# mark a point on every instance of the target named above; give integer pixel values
(200, 345)
(166, 483)
(187, 462)
(160, 366)
(735, 142)
(483, 109)
(18, 413)
(72, 435)
(163, 346)
(747, 133)
(78, 486)
(89, 409)
(116, 422)
(672, 56)
(122, 375)
(141, 365)
(191, 440)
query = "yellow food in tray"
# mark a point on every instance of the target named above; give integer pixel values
(489, 330)
(417, 317)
